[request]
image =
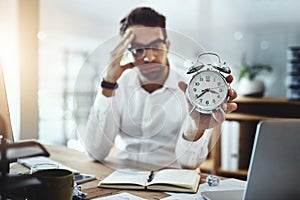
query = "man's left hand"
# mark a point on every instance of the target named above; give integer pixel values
(201, 121)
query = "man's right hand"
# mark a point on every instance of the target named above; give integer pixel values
(115, 70)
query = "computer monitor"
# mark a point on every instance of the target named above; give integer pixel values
(5, 123)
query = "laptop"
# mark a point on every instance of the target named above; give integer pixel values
(275, 163)
(274, 171)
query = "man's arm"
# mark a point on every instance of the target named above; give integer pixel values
(192, 146)
(101, 130)
(102, 126)
(191, 152)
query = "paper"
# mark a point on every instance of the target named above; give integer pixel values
(29, 162)
(227, 184)
(121, 196)
(185, 197)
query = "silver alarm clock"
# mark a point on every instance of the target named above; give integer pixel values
(208, 88)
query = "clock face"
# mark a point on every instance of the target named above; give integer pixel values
(207, 90)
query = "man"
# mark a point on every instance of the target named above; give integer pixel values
(141, 114)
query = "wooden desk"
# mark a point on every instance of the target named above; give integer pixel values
(81, 162)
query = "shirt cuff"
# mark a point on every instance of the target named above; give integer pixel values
(191, 154)
(101, 105)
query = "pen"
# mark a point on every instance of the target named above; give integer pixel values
(151, 175)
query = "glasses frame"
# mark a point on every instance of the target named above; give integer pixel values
(144, 48)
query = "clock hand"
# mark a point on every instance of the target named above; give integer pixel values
(212, 91)
(216, 87)
(203, 92)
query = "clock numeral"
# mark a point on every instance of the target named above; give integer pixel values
(220, 90)
(200, 100)
(207, 102)
(195, 89)
(207, 78)
(219, 96)
(197, 83)
(201, 78)
(213, 101)
(219, 83)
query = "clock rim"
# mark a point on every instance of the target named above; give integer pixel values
(202, 110)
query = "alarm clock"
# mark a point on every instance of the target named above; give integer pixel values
(208, 88)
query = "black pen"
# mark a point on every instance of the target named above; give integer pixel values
(151, 175)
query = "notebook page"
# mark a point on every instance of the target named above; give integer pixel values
(176, 177)
(125, 176)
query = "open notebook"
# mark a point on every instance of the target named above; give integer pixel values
(176, 180)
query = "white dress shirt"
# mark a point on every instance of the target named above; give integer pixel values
(142, 127)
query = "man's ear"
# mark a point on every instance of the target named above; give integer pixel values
(168, 44)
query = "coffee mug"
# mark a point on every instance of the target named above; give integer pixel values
(56, 184)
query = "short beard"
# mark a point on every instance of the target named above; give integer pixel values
(155, 75)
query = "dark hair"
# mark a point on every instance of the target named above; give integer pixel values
(145, 16)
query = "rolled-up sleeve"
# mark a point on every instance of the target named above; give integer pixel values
(190, 154)
(99, 134)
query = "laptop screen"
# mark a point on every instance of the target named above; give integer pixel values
(5, 123)
(275, 162)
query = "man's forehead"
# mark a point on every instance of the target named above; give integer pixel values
(144, 35)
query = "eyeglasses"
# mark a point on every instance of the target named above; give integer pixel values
(139, 50)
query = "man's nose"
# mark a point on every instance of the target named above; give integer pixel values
(149, 56)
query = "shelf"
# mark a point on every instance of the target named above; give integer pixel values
(208, 164)
(269, 100)
(236, 172)
(249, 112)
(240, 174)
(246, 117)
(265, 108)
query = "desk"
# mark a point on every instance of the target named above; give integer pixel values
(81, 162)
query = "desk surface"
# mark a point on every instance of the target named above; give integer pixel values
(81, 162)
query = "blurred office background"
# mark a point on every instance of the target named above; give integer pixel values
(45, 43)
